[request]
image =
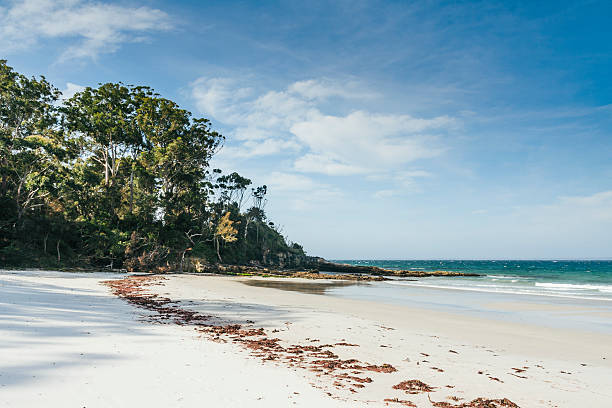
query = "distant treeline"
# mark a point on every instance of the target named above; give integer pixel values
(118, 176)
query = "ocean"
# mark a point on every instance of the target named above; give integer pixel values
(566, 279)
(569, 294)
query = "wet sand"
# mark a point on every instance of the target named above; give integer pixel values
(530, 365)
(309, 287)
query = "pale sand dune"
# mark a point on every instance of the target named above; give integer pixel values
(65, 341)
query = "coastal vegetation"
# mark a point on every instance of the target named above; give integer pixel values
(118, 176)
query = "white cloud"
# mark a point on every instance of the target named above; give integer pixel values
(408, 178)
(405, 182)
(227, 101)
(279, 110)
(253, 148)
(322, 89)
(412, 174)
(283, 182)
(359, 142)
(70, 90)
(595, 208)
(569, 220)
(93, 28)
(602, 198)
(565, 228)
(382, 194)
(322, 163)
(366, 142)
(219, 97)
(302, 191)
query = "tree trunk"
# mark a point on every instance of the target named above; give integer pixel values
(182, 260)
(106, 172)
(132, 191)
(217, 246)
(3, 185)
(106, 175)
(246, 227)
(59, 258)
(45, 243)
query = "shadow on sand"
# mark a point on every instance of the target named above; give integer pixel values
(44, 317)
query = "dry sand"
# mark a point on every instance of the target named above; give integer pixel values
(66, 341)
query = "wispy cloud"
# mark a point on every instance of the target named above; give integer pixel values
(364, 142)
(296, 120)
(322, 89)
(253, 148)
(384, 194)
(558, 229)
(90, 28)
(595, 208)
(301, 191)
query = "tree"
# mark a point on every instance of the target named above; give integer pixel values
(225, 231)
(179, 149)
(259, 197)
(30, 146)
(233, 186)
(103, 118)
(118, 176)
(257, 211)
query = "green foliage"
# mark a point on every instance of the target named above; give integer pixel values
(118, 176)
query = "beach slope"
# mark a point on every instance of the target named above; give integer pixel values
(66, 341)
(190, 340)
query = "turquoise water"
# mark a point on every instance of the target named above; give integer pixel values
(562, 279)
(564, 294)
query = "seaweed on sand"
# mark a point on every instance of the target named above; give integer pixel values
(312, 357)
(413, 387)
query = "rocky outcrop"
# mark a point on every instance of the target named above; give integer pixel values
(258, 270)
(326, 266)
(291, 265)
(287, 259)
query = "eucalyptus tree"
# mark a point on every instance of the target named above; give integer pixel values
(177, 152)
(103, 118)
(233, 188)
(256, 212)
(31, 145)
(117, 175)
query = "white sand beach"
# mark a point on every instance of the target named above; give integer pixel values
(66, 340)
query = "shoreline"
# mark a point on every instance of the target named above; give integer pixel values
(474, 357)
(489, 350)
(439, 322)
(315, 268)
(581, 314)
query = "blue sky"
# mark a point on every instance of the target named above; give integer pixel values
(384, 129)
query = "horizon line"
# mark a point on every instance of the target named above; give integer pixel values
(475, 259)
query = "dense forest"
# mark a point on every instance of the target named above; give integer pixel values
(118, 176)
